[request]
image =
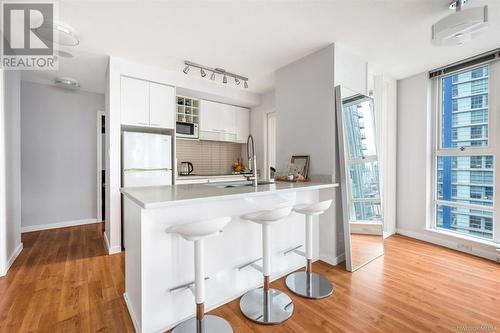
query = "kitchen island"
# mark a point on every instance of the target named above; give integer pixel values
(158, 264)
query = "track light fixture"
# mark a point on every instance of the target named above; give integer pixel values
(220, 71)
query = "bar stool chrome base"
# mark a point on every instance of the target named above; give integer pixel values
(309, 285)
(273, 309)
(209, 324)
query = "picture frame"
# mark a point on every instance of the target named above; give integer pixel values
(302, 164)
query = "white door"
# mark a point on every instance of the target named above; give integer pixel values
(227, 118)
(242, 124)
(209, 119)
(134, 99)
(145, 151)
(161, 105)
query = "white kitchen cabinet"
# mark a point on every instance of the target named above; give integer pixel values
(242, 124)
(217, 122)
(223, 122)
(161, 105)
(134, 99)
(147, 104)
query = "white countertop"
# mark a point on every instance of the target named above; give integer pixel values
(210, 176)
(163, 196)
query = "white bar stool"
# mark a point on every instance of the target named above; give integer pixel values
(265, 305)
(197, 232)
(308, 284)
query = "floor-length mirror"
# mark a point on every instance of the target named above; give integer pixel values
(361, 199)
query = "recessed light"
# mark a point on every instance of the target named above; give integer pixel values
(64, 54)
(67, 83)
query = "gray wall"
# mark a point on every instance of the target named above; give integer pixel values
(58, 145)
(305, 125)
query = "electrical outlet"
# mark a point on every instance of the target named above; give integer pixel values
(464, 247)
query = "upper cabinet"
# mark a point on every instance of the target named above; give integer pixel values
(242, 124)
(134, 100)
(161, 106)
(217, 122)
(145, 103)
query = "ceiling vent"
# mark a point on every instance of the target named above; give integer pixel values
(461, 26)
(67, 83)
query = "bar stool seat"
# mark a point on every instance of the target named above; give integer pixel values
(197, 232)
(306, 283)
(266, 305)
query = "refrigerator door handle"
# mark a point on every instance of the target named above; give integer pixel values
(139, 169)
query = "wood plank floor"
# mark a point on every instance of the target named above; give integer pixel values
(64, 282)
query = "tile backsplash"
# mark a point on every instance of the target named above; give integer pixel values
(208, 157)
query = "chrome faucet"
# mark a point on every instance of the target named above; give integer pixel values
(252, 160)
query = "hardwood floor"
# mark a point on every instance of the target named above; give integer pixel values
(64, 282)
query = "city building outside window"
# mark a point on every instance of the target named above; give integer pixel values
(465, 163)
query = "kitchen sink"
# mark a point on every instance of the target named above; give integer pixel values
(236, 184)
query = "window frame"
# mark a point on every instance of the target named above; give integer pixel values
(492, 148)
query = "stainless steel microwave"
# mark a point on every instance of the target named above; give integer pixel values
(186, 130)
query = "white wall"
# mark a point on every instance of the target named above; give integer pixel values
(258, 128)
(414, 158)
(351, 71)
(385, 98)
(58, 150)
(10, 167)
(3, 206)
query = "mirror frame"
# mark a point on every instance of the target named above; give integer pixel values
(346, 203)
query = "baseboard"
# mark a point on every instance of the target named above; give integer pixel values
(57, 225)
(334, 261)
(454, 244)
(111, 250)
(11, 260)
(131, 313)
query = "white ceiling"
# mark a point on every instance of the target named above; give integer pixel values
(254, 38)
(88, 68)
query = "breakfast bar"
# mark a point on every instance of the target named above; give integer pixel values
(159, 265)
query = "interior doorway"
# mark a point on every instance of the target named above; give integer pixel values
(101, 166)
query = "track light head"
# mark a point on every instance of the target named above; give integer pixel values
(212, 76)
(202, 72)
(246, 84)
(224, 79)
(237, 81)
(186, 69)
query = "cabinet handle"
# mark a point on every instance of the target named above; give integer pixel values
(155, 124)
(143, 124)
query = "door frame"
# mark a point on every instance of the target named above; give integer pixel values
(99, 116)
(267, 164)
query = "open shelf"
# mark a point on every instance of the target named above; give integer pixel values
(187, 109)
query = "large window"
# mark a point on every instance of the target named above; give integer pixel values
(465, 154)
